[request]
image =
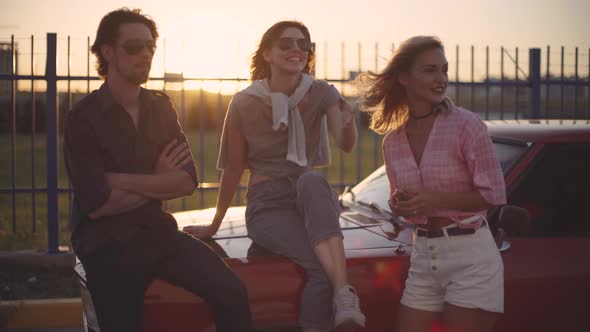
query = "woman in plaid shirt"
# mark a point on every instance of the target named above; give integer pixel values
(443, 177)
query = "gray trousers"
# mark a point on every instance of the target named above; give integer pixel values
(288, 216)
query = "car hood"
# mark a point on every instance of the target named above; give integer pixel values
(365, 234)
(361, 230)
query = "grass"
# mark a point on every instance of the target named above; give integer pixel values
(23, 216)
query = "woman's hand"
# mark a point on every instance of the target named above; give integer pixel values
(201, 232)
(409, 204)
(342, 125)
(173, 157)
(347, 114)
(113, 179)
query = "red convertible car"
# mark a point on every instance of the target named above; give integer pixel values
(543, 235)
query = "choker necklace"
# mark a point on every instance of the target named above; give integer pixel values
(421, 116)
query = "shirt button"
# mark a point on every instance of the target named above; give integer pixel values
(434, 268)
(431, 247)
(433, 257)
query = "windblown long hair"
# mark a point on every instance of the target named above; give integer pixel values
(383, 95)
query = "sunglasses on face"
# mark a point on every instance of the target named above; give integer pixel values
(287, 43)
(135, 46)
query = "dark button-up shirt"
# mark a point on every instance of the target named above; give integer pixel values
(100, 138)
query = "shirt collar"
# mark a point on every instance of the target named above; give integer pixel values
(145, 98)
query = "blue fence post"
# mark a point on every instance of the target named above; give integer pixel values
(52, 144)
(535, 83)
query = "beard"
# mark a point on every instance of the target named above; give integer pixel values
(136, 75)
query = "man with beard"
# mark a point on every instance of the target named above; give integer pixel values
(125, 153)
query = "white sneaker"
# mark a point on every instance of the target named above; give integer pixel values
(347, 311)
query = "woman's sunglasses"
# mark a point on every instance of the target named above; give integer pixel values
(287, 43)
(135, 46)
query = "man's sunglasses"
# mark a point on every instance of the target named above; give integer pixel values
(135, 46)
(286, 43)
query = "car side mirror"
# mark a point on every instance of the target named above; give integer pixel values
(513, 221)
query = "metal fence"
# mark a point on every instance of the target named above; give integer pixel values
(508, 94)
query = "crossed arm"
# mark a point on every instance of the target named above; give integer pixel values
(119, 201)
(169, 181)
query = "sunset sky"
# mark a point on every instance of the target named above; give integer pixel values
(216, 38)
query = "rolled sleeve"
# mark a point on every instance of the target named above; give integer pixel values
(84, 164)
(331, 96)
(179, 134)
(481, 160)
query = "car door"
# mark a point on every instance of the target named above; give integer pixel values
(547, 271)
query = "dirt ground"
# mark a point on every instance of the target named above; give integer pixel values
(34, 275)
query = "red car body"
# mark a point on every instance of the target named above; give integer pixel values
(547, 277)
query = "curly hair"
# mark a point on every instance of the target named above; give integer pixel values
(383, 95)
(259, 68)
(108, 32)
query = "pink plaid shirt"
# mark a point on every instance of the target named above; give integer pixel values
(458, 157)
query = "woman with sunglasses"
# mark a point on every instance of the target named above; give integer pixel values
(277, 127)
(443, 176)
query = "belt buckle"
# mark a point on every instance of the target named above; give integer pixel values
(429, 233)
(461, 231)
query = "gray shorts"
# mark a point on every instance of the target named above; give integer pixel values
(288, 216)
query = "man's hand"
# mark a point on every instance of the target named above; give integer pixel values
(201, 232)
(173, 157)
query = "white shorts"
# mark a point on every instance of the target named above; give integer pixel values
(463, 270)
